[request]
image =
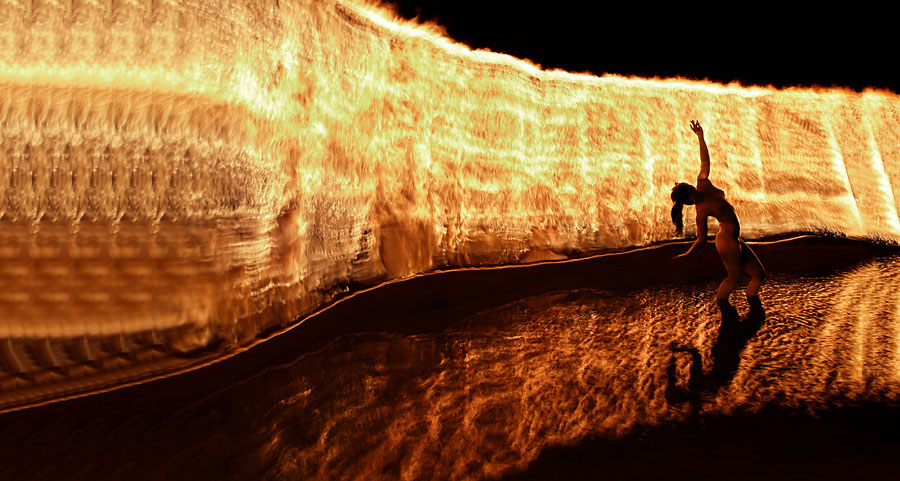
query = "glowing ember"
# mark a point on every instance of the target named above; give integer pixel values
(185, 178)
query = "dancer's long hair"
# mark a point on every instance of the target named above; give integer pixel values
(681, 195)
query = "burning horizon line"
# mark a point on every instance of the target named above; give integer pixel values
(183, 178)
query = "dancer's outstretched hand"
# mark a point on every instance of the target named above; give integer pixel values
(696, 128)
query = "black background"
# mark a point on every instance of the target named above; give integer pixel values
(830, 44)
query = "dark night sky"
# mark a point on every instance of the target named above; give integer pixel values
(758, 46)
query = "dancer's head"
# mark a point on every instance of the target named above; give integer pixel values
(681, 194)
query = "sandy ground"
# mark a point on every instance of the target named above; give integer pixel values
(775, 442)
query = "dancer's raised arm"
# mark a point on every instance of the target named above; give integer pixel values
(704, 152)
(736, 255)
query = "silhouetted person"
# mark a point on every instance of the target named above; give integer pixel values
(735, 254)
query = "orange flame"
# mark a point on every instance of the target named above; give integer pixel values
(183, 176)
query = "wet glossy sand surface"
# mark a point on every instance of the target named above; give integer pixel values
(581, 383)
(180, 179)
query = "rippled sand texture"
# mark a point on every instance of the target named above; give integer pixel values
(488, 395)
(180, 179)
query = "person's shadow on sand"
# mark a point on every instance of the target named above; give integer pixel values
(726, 356)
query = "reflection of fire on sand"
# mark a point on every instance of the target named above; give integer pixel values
(563, 347)
(725, 354)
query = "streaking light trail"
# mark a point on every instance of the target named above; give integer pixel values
(182, 179)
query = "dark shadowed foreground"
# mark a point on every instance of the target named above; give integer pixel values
(636, 383)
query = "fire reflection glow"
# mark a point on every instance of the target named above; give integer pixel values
(485, 397)
(183, 179)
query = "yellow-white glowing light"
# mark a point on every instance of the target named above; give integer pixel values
(187, 175)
